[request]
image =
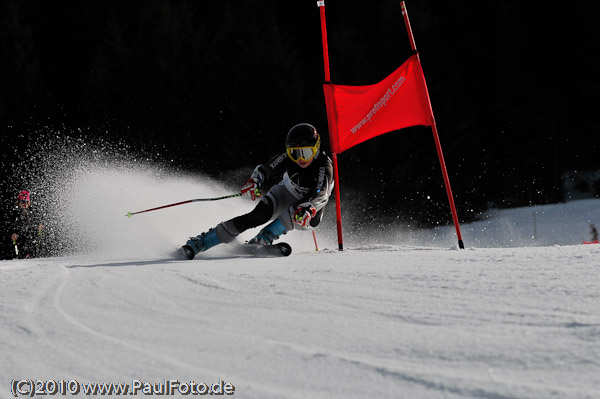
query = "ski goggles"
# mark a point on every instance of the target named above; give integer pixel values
(303, 153)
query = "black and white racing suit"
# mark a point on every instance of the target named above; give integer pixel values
(294, 186)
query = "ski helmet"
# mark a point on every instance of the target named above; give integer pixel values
(23, 196)
(302, 135)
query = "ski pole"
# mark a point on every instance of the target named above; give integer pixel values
(315, 238)
(130, 214)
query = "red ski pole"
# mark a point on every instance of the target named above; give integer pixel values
(315, 238)
(130, 214)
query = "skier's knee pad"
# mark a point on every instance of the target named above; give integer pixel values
(226, 231)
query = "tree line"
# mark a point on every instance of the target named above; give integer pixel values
(214, 86)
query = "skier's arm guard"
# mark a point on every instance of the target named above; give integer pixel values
(259, 175)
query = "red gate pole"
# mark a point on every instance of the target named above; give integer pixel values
(436, 138)
(332, 127)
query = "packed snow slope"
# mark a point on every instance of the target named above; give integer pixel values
(401, 315)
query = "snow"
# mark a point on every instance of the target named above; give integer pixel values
(403, 315)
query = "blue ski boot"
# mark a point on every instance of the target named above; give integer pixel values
(269, 234)
(200, 243)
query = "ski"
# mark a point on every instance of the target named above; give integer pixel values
(279, 249)
(265, 251)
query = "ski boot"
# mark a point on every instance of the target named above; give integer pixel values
(200, 243)
(269, 234)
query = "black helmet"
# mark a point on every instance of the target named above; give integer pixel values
(302, 135)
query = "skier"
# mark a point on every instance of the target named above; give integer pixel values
(24, 230)
(305, 175)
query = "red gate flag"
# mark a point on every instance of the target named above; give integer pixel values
(359, 113)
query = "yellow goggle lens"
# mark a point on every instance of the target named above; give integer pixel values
(304, 153)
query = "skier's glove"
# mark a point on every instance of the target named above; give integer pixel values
(251, 189)
(304, 213)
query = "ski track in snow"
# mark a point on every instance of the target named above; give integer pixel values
(380, 319)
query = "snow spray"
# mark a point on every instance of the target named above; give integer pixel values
(82, 187)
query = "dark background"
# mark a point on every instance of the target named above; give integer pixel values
(213, 87)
